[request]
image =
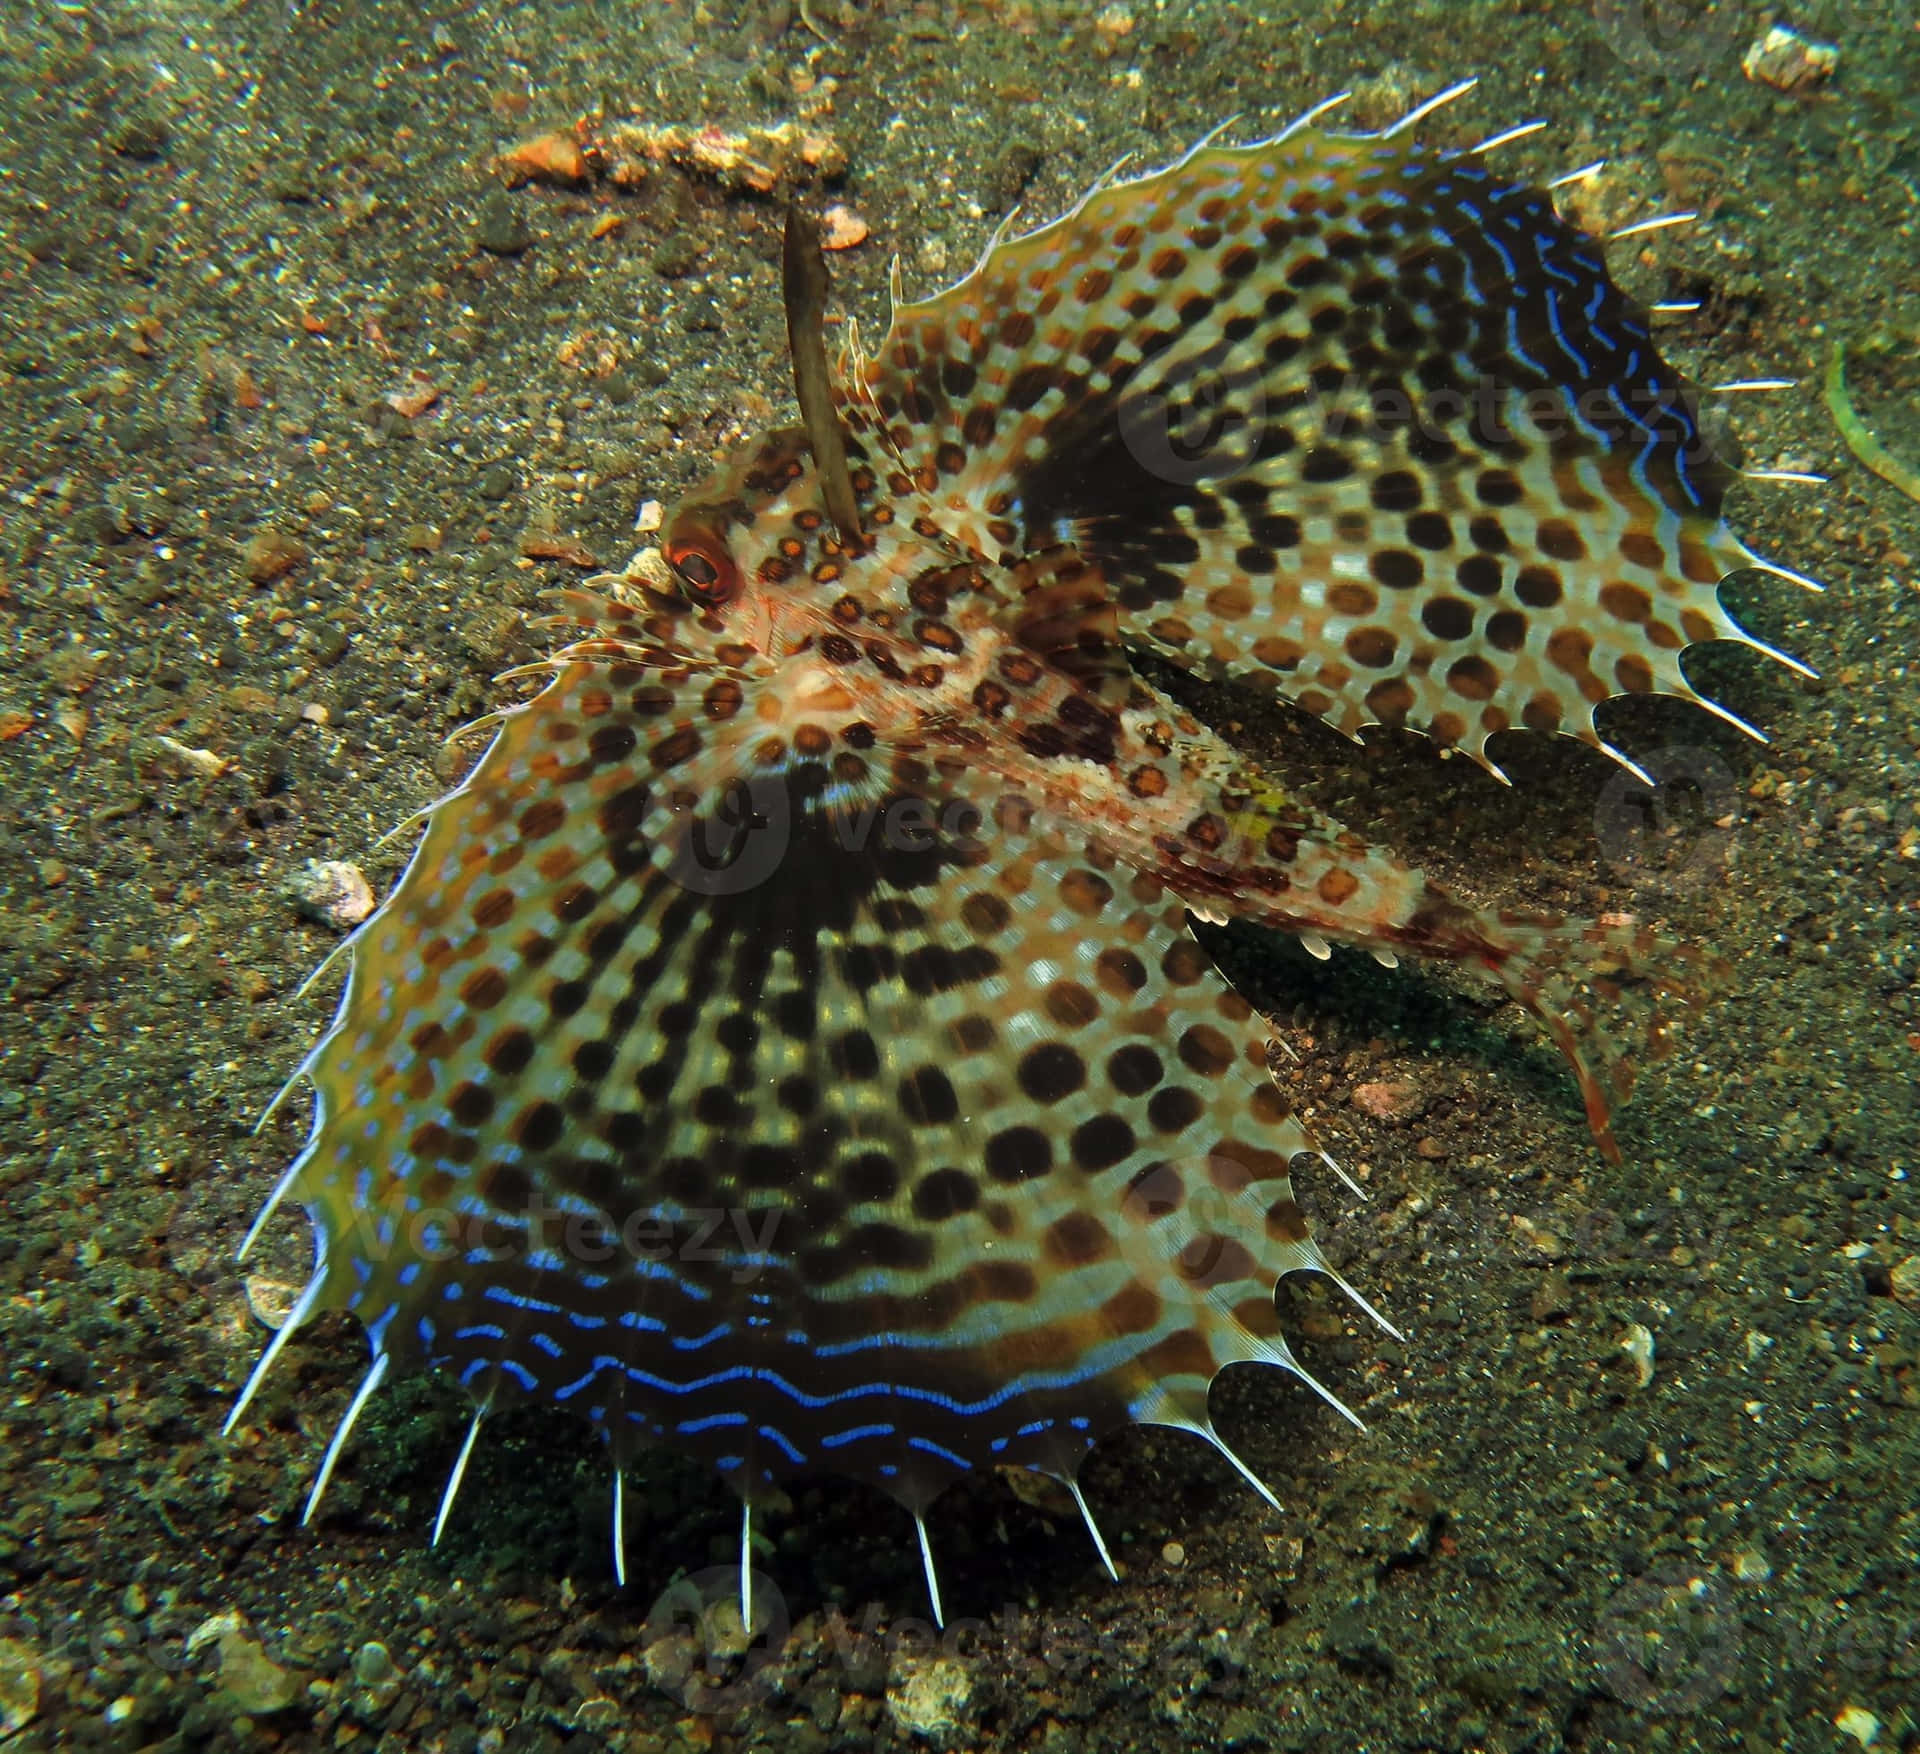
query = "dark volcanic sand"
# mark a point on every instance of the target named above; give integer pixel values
(232, 238)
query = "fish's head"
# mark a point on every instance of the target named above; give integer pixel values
(753, 552)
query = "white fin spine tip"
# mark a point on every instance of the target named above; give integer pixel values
(1801, 477)
(1205, 140)
(1315, 946)
(1239, 1467)
(1675, 307)
(1663, 223)
(1100, 184)
(1367, 1309)
(279, 1096)
(282, 1187)
(1506, 138)
(1326, 1394)
(926, 1564)
(997, 237)
(264, 1363)
(458, 1474)
(486, 721)
(1093, 1529)
(746, 1568)
(1385, 958)
(376, 1374)
(414, 819)
(620, 1527)
(1307, 118)
(1420, 112)
(1359, 1192)
(1779, 657)
(1784, 572)
(1732, 718)
(1619, 755)
(343, 948)
(1586, 173)
(1751, 386)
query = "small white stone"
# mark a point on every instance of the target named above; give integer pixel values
(842, 228)
(19, 1685)
(1788, 61)
(1637, 1344)
(1750, 1566)
(331, 892)
(928, 1698)
(1859, 1723)
(270, 1300)
(649, 517)
(213, 1627)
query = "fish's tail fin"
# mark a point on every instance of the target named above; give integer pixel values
(1608, 992)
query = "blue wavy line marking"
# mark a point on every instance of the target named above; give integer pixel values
(520, 1300)
(1514, 347)
(1492, 242)
(928, 1447)
(856, 1434)
(797, 1457)
(1560, 334)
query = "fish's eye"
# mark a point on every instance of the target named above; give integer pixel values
(704, 568)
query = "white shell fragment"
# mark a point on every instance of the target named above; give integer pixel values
(332, 893)
(1788, 61)
(1637, 1344)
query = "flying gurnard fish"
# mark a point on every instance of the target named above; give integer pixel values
(789, 1044)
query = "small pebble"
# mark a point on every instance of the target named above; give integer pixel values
(257, 1684)
(1637, 1344)
(1173, 1555)
(1788, 61)
(19, 1685)
(1859, 1723)
(331, 892)
(842, 228)
(549, 158)
(501, 231)
(372, 1664)
(270, 554)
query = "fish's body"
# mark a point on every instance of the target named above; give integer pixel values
(789, 1044)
